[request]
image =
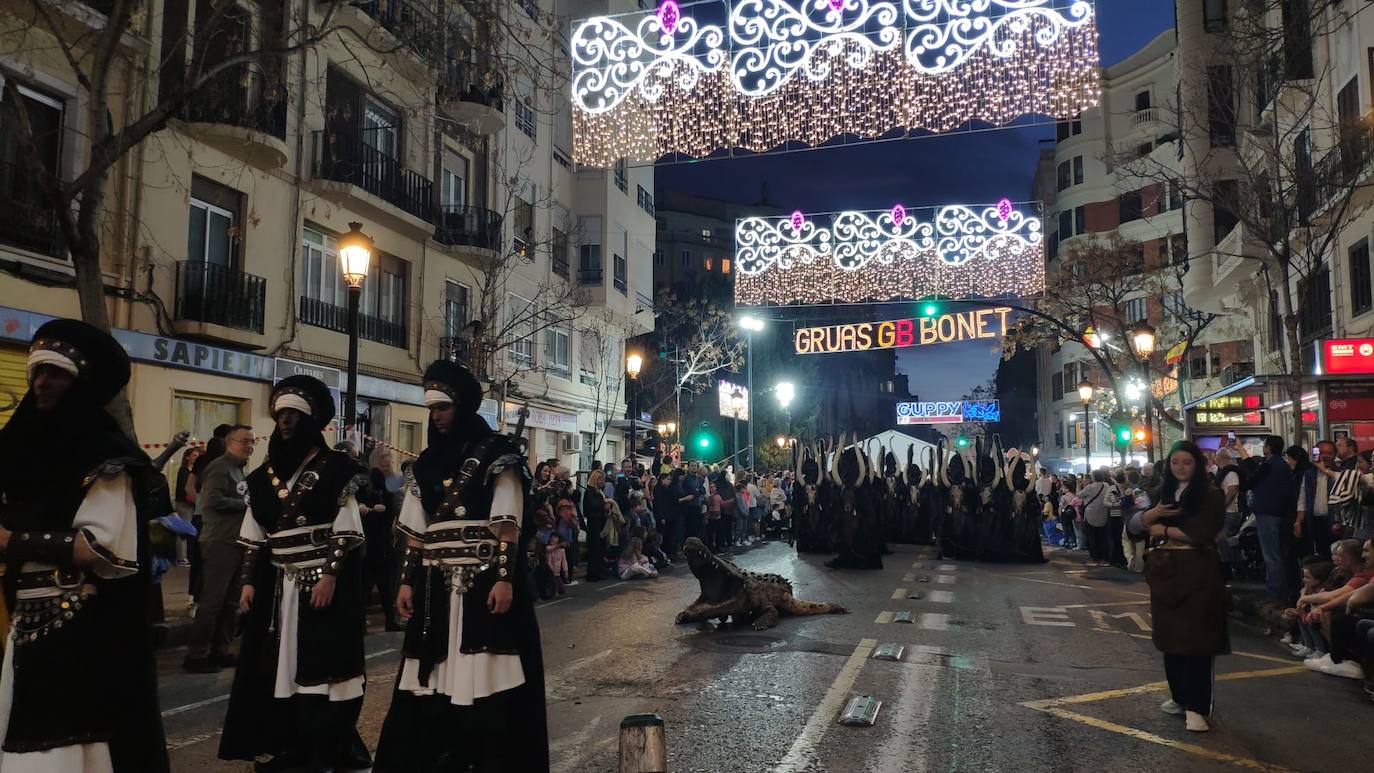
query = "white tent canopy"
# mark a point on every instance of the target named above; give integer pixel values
(897, 443)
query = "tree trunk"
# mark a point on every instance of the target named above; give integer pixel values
(90, 294)
(1294, 380)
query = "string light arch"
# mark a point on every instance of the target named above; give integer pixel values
(654, 83)
(902, 253)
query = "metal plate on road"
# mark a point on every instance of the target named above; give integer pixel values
(903, 617)
(923, 578)
(916, 595)
(862, 711)
(889, 652)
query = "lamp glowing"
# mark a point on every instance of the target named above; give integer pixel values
(633, 363)
(355, 253)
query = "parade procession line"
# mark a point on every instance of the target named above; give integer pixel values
(1055, 707)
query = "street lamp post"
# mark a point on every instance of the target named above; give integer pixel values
(1143, 341)
(1085, 393)
(355, 253)
(633, 362)
(751, 325)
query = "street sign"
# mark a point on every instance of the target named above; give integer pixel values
(1348, 355)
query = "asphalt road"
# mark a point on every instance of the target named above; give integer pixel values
(1031, 668)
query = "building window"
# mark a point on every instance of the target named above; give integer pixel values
(619, 170)
(1130, 206)
(522, 332)
(1066, 129)
(1065, 176)
(706, 234)
(29, 222)
(686, 258)
(524, 117)
(457, 309)
(645, 200)
(658, 257)
(453, 187)
(212, 231)
(1066, 224)
(1178, 248)
(558, 253)
(1214, 16)
(708, 263)
(201, 414)
(1142, 100)
(522, 225)
(556, 350)
(724, 265)
(1057, 387)
(1361, 293)
(1305, 179)
(1175, 195)
(589, 266)
(1077, 170)
(1225, 202)
(408, 436)
(1133, 311)
(1221, 106)
(1080, 220)
(1275, 323)
(321, 279)
(1314, 312)
(620, 277)
(1297, 39)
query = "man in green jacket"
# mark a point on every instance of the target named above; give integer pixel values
(222, 507)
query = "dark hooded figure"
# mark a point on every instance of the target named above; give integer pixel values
(806, 507)
(856, 525)
(470, 693)
(1026, 514)
(995, 537)
(77, 494)
(299, 685)
(889, 499)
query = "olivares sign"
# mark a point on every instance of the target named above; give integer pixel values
(902, 333)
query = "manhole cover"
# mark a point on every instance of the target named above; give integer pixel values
(747, 641)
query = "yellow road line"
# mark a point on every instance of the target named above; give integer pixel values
(1270, 658)
(1093, 697)
(1142, 735)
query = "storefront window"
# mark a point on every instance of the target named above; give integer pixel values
(201, 415)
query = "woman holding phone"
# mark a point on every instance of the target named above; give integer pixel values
(1187, 594)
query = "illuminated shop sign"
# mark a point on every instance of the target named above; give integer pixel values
(1231, 402)
(1229, 418)
(734, 400)
(952, 412)
(901, 333)
(1348, 355)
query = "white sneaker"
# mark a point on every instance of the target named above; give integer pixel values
(1170, 707)
(1196, 722)
(1302, 651)
(1346, 668)
(571, 583)
(1319, 663)
(1288, 640)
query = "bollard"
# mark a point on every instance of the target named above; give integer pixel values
(643, 748)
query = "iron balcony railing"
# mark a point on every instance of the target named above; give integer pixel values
(412, 22)
(219, 295)
(327, 315)
(591, 276)
(359, 158)
(1342, 168)
(463, 225)
(226, 102)
(28, 222)
(464, 81)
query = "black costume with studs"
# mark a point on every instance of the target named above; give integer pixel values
(295, 508)
(67, 685)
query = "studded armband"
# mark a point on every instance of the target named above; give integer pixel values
(249, 563)
(338, 548)
(505, 561)
(51, 547)
(412, 566)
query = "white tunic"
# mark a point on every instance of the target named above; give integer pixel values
(110, 520)
(348, 520)
(461, 676)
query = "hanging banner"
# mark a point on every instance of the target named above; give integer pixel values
(903, 333)
(954, 412)
(734, 400)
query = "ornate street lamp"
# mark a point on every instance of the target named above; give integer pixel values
(751, 325)
(633, 363)
(1143, 340)
(355, 257)
(1085, 393)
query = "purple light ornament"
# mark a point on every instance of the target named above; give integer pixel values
(798, 220)
(898, 214)
(669, 13)
(1004, 209)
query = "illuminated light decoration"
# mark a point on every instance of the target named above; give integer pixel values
(1004, 209)
(734, 400)
(809, 71)
(669, 13)
(954, 412)
(903, 333)
(898, 214)
(798, 220)
(953, 251)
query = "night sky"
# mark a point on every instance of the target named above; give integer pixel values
(972, 167)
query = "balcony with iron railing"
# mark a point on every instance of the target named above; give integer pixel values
(212, 294)
(240, 120)
(411, 22)
(29, 222)
(473, 96)
(357, 158)
(331, 317)
(460, 225)
(1341, 171)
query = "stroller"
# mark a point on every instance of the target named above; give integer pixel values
(777, 524)
(1247, 562)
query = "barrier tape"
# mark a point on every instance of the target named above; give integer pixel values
(198, 443)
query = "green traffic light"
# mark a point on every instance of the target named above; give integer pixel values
(704, 442)
(930, 310)
(963, 442)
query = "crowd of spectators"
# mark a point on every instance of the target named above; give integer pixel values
(1300, 523)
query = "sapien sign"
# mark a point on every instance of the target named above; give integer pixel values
(901, 333)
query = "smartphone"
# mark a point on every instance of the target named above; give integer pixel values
(1231, 436)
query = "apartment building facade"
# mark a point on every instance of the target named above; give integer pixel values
(220, 231)
(1108, 175)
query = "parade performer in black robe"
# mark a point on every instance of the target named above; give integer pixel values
(299, 685)
(470, 692)
(995, 539)
(806, 504)
(78, 691)
(857, 527)
(917, 518)
(1026, 513)
(959, 531)
(890, 499)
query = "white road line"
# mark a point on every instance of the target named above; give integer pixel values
(899, 594)
(934, 621)
(945, 579)
(221, 698)
(551, 603)
(947, 567)
(1050, 582)
(941, 596)
(883, 617)
(614, 585)
(904, 751)
(803, 750)
(909, 577)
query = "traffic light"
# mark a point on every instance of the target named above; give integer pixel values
(962, 441)
(1141, 436)
(928, 308)
(703, 441)
(1121, 428)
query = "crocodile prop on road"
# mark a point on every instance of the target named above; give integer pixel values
(742, 596)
